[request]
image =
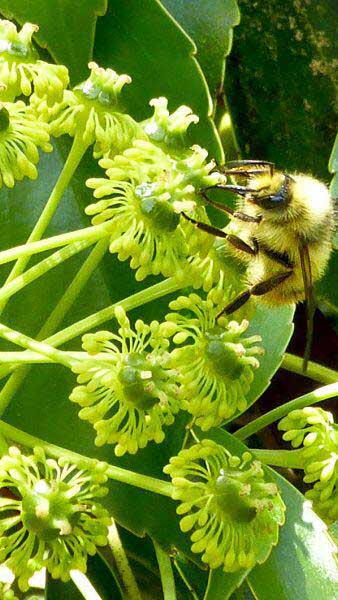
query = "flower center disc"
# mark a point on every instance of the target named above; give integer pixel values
(46, 510)
(137, 379)
(230, 501)
(222, 357)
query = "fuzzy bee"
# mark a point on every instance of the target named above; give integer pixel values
(282, 229)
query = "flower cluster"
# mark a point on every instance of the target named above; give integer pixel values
(314, 429)
(6, 593)
(234, 513)
(169, 130)
(93, 111)
(20, 137)
(21, 71)
(49, 515)
(129, 391)
(215, 363)
(145, 192)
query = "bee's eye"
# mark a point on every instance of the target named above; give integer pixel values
(280, 199)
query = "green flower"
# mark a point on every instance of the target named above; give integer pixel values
(20, 137)
(129, 392)
(219, 270)
(51, 517)
(6, 593)
(169, 130)
(21, 71)
(92, 109)
(314, 429)
(147, 190)
(234, 513)
(216, 365)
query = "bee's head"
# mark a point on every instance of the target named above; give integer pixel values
(271, 193)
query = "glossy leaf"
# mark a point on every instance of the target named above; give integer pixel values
(333, 168)
(101, 576)
(222, 585)
(57, 590)
(275, 327)
(149, 46)
(210, 25)
(243, 593)
(303, 564)
(66, 29)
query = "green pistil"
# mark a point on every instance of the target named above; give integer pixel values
(4, 119)
(92, 95)
(18, 51)
(137, 379)
(160, 212)
(232, 501)
(222, 357)
(46, 510)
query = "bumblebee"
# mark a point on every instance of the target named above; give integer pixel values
(282, 229)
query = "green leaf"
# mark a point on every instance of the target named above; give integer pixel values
(57, 590)
(243, 593)
(333, 168)
(210, 25)
(101, 576)
(275, 327)
(132, 41)
(67, 28)
(222, 585)
(281, 83)
(303, 564)
(333, 530)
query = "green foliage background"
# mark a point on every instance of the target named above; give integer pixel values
(279, 84)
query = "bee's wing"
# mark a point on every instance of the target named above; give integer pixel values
(309, 298)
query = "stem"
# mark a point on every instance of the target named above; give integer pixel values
(72, 292)
(184, 578)
(328, 391)
(74, 157)
(130, 588)
(314, 370)
(156, 291)
(56, 316)
(292, 459)
(166, 572)
(3, 445)
(16, 337)
(87, 233)
(9, 289)
(143, 297)
(82, 584)
(117, 473)
(31, 357)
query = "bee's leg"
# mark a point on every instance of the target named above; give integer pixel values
(232, 239)
(278, 257)
(224, 208)
(232, 164)
(256, 290)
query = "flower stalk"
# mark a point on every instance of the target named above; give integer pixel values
(323, 393)
(314, 370)
(158, 486)
(88, 233)
(73, 159)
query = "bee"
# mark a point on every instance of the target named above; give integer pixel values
(282, 229)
